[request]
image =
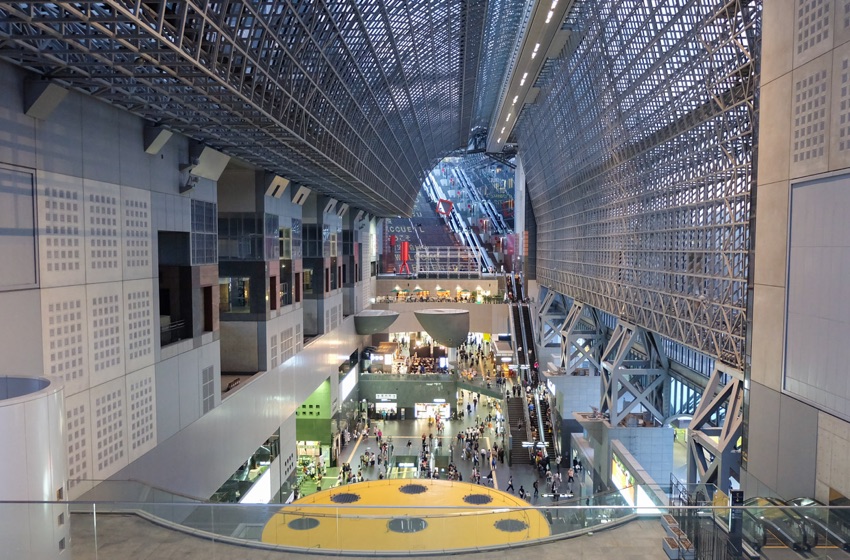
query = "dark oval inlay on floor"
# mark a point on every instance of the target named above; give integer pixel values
(413, 489)
(477, 499)
(303, 523)
(406, 524)
(510, 525)
(345, 498)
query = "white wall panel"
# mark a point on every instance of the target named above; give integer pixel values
(105, 309)
(101, 144)
(167, 399)
(135, 165)
(817, 308)
(17, 130)
(17, 216)
(65, 336)
(59, 139)
(189, 376)
(102, 231)
(139, 324)
(136, 234)
(21, 339)
(141, 411)
(165, 168)
(61, 240)
(78, 442)
(108, 404)
(211, 357)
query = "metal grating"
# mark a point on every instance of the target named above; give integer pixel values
(357, 99)
(638, 160)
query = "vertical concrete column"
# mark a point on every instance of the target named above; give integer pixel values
(33, 467)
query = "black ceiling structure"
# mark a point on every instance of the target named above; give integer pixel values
(354, 99)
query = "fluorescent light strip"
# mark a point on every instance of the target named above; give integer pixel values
(549, 16)
(516, 97)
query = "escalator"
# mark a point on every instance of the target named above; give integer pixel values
(523, 333)
(548, 435)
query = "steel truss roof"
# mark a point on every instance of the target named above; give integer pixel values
(356, 99)
(639, 164)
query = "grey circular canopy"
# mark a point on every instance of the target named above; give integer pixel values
(449, 327)
(371, 321)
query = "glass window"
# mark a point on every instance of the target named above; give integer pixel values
(234, 295)
(308, 281)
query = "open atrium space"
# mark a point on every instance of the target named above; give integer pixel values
(284, 279)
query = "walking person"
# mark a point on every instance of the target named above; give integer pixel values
(510, 487)
(536, 489)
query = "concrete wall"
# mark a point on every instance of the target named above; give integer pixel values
(802, 136)
(239, 346)
(100, 201)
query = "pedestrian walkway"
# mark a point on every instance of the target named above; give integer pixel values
(399, 432)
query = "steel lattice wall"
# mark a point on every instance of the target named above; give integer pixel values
(639, 165)
(354, 98)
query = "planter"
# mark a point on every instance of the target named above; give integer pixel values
(671, 547)
(677, 549)
(686, 549)
(678, 534)
(668, 528)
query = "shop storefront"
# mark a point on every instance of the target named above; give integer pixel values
(309, 455)
(386, 410)
(431, 410)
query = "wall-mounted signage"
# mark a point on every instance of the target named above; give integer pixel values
(386, 396)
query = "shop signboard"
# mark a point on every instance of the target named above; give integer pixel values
(385, 396)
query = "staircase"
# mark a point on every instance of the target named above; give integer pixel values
(516, 412)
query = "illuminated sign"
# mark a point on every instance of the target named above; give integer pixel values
(386, 396)
(348, 383)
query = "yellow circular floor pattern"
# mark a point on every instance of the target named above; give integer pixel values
(406, 514)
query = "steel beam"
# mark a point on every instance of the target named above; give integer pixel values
(717, 424)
